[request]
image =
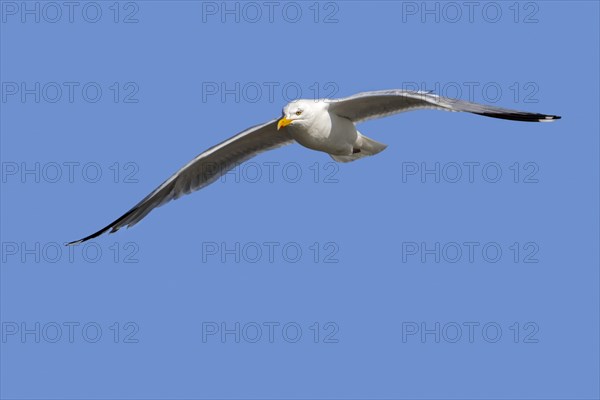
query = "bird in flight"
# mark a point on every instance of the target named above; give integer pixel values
(326, 125)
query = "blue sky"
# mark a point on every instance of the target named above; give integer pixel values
(461, 262)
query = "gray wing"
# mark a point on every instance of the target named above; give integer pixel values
(202, 171)
(377, 104)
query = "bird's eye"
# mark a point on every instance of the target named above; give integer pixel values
(298, 112)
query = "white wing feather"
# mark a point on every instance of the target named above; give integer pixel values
(202, 171)
(377, 104)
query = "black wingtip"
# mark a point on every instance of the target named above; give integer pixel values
(524, 117)
(85, 239)
(550, 118)
(111, 227)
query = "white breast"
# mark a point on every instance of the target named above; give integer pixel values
(327, 132)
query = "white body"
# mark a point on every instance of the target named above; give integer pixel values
(318, 129)
(326, 132)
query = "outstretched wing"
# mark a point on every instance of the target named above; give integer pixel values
(202, 171)
(377, 104)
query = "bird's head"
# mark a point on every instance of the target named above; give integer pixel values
(299, 113)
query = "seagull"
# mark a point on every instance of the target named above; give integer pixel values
(326, 125)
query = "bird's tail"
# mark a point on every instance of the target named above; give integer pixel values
(365, 147)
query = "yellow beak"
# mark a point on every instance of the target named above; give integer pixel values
(283, 122)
